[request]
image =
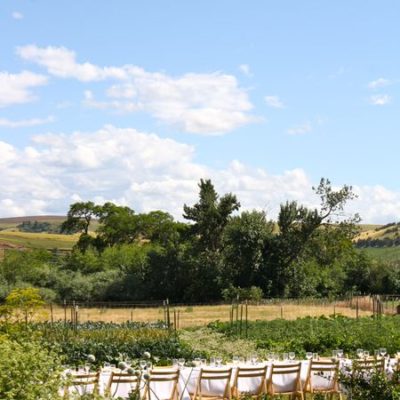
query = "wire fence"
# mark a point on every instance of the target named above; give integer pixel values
(182, 315)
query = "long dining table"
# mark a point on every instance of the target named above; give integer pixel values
(188, 376)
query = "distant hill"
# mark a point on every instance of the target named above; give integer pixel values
(12, 238)
(379, 236)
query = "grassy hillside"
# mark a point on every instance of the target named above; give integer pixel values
(37, 240)
(10, 237)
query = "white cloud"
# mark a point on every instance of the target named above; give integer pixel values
(300, 129)
(380, 99)
(207, 104)
(274, 102)
(61, 62)
(17, 15)
(245, 70)
(379, 83)
(15, 88)
(7, 123)
(147, 172)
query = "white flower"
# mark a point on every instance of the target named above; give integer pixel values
(91, 358)
(146, 354)
(122, 365)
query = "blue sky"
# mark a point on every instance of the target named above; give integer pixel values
(135, 101)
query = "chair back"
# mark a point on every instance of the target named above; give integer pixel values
(214, 383)
(161, 384)
(122, 384)
(368, 366)
(250, 380)
(322, 376)
(285, 379)
(82, 383)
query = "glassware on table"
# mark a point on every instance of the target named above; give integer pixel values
(340, 353)
(212, 361)
(218, 361)
(197, 362)
(292, 355)
(149, 365)
(270, 356)
(142, 364)
(235, 360)
(86, 368)
(107, 366)
(285, 356)
(315, 356)
(241, 360)
(113, 367)
(366, 354)
(397, 354)
(377, 354)
(181, 362)
(360, 353)
(254, 359)
(174, 362)
(334, 354)
(203, 362)
(382, 351)
(309, 355)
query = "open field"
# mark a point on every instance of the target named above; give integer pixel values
(38, 240)
(190, 316)
(383, 253)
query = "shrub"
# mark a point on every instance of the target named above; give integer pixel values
(28, 372)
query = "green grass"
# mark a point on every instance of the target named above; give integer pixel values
(383, 253)
(38, 240)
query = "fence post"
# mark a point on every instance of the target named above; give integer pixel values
(247, 319)
(65, 311)
(168, 316)
(357, 308)
(241, 319)
(51, 313)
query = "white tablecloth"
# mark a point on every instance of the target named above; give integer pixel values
(189, 376)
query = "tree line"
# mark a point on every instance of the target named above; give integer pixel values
(217, 253)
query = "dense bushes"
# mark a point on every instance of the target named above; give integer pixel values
(28, 371)
(218, 254)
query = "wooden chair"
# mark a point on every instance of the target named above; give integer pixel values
(82, 383)
(368, 366)
(250, 381)
(213, 384)
(162, 384)
(285, 379)
(322, 378)
(121, 384)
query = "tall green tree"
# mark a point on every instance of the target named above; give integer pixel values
(244, 241)
(300, 228)
(210, 215)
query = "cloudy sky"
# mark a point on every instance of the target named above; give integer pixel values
(135, 101)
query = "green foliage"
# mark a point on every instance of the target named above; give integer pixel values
(108, 342)
(28, 372)
(321, 335)
(309, 252)
(375, 385)
(24, 303)
(210, 215)
(37, 227)
(252, 293)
